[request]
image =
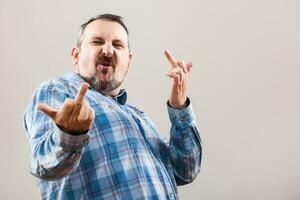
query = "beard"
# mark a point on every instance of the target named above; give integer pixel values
(104, 86)
(101, 86)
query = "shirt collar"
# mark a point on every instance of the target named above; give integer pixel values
(121, 98)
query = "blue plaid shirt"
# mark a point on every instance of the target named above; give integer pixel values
(121, 157)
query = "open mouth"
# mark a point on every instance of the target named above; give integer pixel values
(105, 69)
(105, 66)
(106, 62)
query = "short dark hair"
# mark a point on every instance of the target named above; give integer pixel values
(109, 17)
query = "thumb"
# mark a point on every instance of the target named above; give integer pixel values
(51, 112)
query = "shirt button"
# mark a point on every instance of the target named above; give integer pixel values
(78, 153)
(110, 106)
(85, 141)
(182, 118)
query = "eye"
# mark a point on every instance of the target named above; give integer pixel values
(97, 42)
(118, 45)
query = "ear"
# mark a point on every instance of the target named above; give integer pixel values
(75, 55)
(130, 61)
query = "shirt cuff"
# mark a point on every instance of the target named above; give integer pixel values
(182, 118)
(70, 142)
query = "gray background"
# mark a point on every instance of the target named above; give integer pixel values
(244, 85)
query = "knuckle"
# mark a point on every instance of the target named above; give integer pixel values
(86, 104)
(68, 102)
(89, 119)
(92, 115)
(81, 104)
(181, 63)
(81, 119)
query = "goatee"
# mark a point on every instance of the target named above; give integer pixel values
(104, 87)
(101, 86)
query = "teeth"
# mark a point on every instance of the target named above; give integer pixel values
(106, 64)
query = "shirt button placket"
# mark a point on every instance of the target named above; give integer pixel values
(171, 195)
(85, 141)
(110, 106)
(182, 118)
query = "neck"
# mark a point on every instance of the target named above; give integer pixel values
(112, 93)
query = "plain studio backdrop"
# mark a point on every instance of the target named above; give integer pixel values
(244, 85)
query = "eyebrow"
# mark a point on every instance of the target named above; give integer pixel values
(100, 38)
(97, 38)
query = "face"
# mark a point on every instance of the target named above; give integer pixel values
(103, 58)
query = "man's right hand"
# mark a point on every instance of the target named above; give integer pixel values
(76, 116)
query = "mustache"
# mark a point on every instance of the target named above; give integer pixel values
(107, 61)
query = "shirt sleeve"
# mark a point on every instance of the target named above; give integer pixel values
(53, 153)
(185, 148)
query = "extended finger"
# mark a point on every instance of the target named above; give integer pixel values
(81, 93)
(170, 58)
(51, 112)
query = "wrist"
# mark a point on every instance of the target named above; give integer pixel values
(179, 106)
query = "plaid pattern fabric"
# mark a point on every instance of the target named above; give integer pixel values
(121, 157)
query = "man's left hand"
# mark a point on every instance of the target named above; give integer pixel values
(179, 73)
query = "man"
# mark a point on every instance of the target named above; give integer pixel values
(87, 143)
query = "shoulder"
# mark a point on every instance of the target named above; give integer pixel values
(55, 83)
(55, 86)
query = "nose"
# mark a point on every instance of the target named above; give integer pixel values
(108, 50)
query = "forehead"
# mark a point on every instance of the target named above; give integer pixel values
(107, 29)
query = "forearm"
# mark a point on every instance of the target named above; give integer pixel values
(185, 145)
(185, 153)
(56, 154)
